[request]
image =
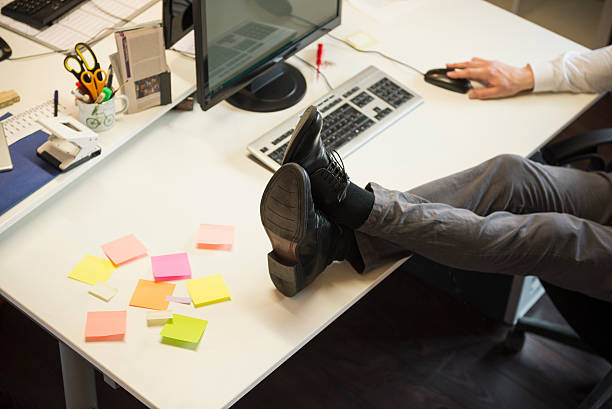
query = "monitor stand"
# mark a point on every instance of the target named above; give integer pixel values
(281, 87)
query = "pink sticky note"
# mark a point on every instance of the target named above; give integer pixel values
(125, 249)
(215, 237)
(105, 325)
(171, 267)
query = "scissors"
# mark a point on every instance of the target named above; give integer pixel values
(85, 67)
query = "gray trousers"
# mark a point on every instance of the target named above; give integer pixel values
(507, 215)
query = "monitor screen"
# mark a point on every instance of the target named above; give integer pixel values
(237, 40)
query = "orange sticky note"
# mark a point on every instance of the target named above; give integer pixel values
(105, 325)
(215, 237)
(125, 249)
(151, 295)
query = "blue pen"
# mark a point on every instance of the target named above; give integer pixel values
(55, 101)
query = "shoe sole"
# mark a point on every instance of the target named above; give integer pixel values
(283, 212)
(307, 121)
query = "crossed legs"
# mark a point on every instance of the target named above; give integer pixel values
(508, 215)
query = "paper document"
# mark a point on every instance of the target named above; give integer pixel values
(87, 22)
(385, 11)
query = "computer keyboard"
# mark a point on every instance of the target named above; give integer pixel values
(19, 126)
(353, 113)
(38, 13)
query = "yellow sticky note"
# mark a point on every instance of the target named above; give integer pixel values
(92, 269)
(361, 40)
(207, 290)
(182, 328)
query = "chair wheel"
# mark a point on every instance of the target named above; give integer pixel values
(514, 341)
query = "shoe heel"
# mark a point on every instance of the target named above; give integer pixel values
(286, 278)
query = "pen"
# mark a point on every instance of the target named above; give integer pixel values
(319, 57)
(109, 81)
(80, 97)
(55, 101)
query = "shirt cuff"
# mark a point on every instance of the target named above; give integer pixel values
(543, 76)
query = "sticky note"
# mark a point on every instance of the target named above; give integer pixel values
(171, 267)
(152, 295)
(182, 328)
(92, 269)
(124, 249)
(207, 290)
(105, 325)
(158, 317)
(361, 40)
(215, 237)
(103, 291)
(181, 300)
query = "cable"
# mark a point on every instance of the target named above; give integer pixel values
(125, 20)
(376, 52)
(315, 68)
(183, 53)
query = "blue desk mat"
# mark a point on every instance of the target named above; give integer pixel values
(29, 172)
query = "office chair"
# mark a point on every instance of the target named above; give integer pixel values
(589, 319)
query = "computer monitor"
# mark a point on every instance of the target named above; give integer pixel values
(241, 47)
(177, 18)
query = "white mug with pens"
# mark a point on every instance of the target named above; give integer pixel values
(101, 117)
(94, 94)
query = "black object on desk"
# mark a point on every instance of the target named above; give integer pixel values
(38, 13)
(5, 50)
(439, 78)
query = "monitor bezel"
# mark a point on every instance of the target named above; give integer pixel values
(203, 94)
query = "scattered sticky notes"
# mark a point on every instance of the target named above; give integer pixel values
(103, 291)
(207, 290)
(124, 249)
(92, 269)
(171, 267)
(182, 328)
(105, 325)
(215, 237)
(181, 300)
(158, 317)
(152, 295)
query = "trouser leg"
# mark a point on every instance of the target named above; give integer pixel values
(572, 249)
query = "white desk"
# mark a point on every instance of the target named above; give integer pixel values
(191, 168)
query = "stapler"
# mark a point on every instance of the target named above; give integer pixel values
(70, 143)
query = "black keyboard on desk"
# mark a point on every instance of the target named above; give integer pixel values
(38, 13)
(353, 113)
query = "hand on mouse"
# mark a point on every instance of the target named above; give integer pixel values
(500, 80)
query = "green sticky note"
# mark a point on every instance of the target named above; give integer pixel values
(182, 328)
(92, 270)
(207, 290)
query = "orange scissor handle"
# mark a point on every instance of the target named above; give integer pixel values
(87, 79)
(99, 77)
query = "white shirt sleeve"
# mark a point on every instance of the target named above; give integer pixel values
(590, 71)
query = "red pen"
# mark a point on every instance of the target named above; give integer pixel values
(319, 57)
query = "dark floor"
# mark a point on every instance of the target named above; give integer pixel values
(404, 345)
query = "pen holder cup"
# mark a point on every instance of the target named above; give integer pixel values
(101, 117)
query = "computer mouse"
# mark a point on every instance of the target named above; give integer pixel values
(5, 50)
(279, 8)
(438, 77)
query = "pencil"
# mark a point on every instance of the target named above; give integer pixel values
(120, 86)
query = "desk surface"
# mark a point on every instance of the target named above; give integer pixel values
(192, 167)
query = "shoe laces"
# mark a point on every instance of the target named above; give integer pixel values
(335, 175)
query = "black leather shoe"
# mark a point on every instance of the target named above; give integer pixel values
(328, 179)
(304, 242)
